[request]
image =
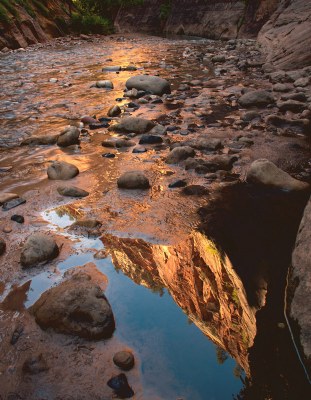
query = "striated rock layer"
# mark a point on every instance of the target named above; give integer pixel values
(202, 282)
(32, 25)
(286, 36)
(299, 292)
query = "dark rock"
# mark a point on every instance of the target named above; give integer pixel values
(178, 184)
(38, 248)
(250, 116)
(300, 96)
(124, 360)
(291, 105)
(13, 203)
(139, 150)
(133, 180)
(77, 306)
(111, 68)
(61, 170)
(204, 143)
(114, 111)
(195, 190)
(258, 98)
(150, 139)
(297, 126)
(2, 246)
(72, 191)
(103, 124)
(35, 365)
(89, 120)
(120, 386)
(108, 155)
(18, 218)
(118, 142)
(16, 335)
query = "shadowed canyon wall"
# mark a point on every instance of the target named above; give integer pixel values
(22, 26)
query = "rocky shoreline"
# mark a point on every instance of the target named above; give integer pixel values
(146, 170)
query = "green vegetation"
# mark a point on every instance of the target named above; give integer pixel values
(165, 9)
(90, 23)
(9, 6)
(4, 16)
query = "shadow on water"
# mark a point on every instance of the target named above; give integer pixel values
(257, 229)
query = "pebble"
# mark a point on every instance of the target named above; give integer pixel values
(18, 218)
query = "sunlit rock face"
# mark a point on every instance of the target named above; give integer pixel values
(202, 282)
(25, 29)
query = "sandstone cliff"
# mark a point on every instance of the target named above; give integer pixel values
(33, 22)
(286, 36)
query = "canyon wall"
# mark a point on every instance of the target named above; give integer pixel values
(22, 26)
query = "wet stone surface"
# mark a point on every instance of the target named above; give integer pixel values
(204, 115)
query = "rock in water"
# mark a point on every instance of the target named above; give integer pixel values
(264, 172)
(104, 84)
(77, 306)
(258, 98)
(61, 170)
(120, 386)
(179, 154)
(40, 140)
(133, 180)
(38, 248)
(124, 360)
(149, 83)
(68, 136)
(114, 111)
(150, 139)
(72, 191)
(132, 125)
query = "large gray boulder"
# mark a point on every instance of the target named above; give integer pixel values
(76, 306)
(133, 180)
(179, 154)
(61, 170)
(133, 125)
(149, 83)
(299, 303)
(68, 136)
(38, 248)
(266, 173)
(259, 98)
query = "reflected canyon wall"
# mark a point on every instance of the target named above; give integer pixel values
(202, 282)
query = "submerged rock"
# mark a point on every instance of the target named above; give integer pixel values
(264, 172)
(133, 180)
(124, 360)
(77, 306)
(120, 386)
(149, 83)
(61, 170)
(72, 191)
(132, 124)
(38, 248)
(40, 140)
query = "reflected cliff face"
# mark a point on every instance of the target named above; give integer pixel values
(202, 282)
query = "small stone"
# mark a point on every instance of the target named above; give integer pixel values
(61, 170)
(133, 180)
(139, 150)
(258, 98)
(179, 154)
(38, 248)
(104, 84)
(7, 229)
(53, 80)
(150, 139)
(108, 155)
(178, 184)
(68, 137)
(150, 83)
(111, 68)
(18, 218)
(72, 191)
(120, 386)
(132, 124)
(124, 360)
(195, 190)
(114, 111)
(13, 203)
